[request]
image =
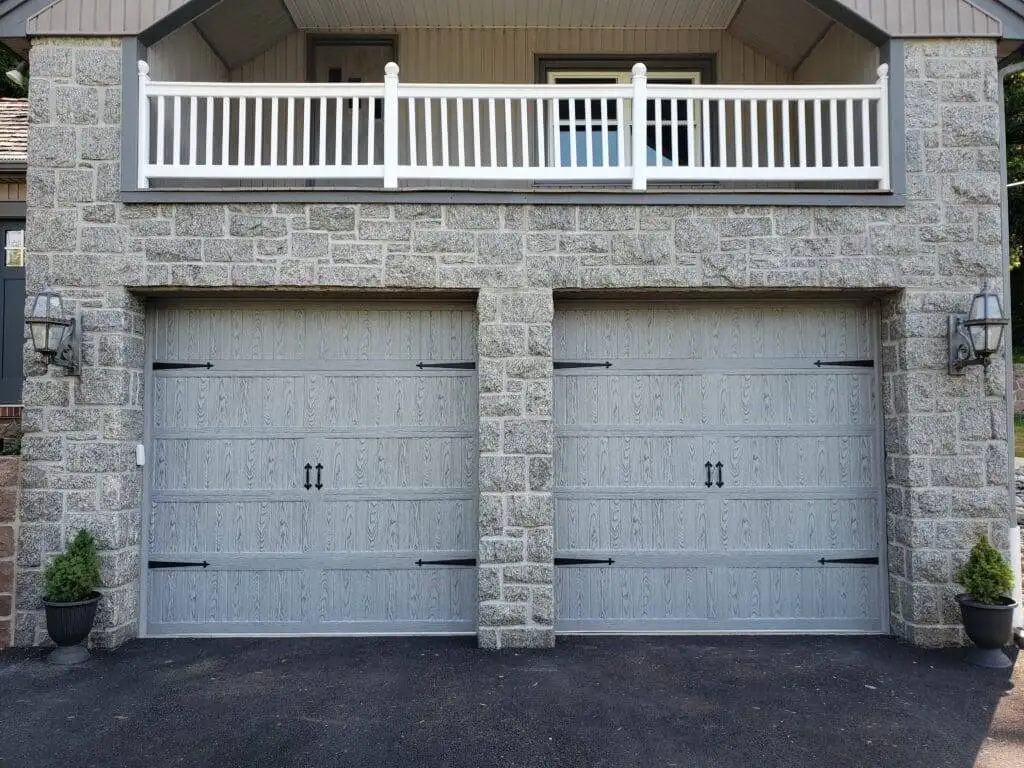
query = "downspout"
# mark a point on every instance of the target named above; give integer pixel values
(1014, 528)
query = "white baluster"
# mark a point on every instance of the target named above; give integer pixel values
(289, 135)
(460, 128)
(850, 138)
(193, 130)
(541, 159)
(143, 149)
(524, 134)
(787, 140)
(674, 138)
(176, 132)
(257, 155)
(620, 133)
(755, 134)
(428, 124)
(211, 113)
(865, 132)
(354, 145)
(770, 128)
(737, 110)
(819, 145)
(508, 133)
(588, 131)
(391, 125)
(477, 159)
(275, 119)
(241, 130)
(833, 124)
(492, 121)
(572, 132)
(307, 130)
(445, 151)
(606, 150)
(639, 127)
(322, 131)
(884, 161)
(413, 136)
(723, 144)
(801, 132)
(706, 131)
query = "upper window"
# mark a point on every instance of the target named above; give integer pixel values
(576, 119)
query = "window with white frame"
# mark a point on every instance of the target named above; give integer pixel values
(667, 137)
(14, 248)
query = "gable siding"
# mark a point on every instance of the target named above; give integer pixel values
(907, 18)
(507, 55)
(842, 56)
(184, 55)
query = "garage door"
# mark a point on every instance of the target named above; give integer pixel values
(309, 467)
(718, 468)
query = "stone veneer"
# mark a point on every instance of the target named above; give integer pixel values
(945, 437)
(10, 480)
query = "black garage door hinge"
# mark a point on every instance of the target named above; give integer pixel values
(563, 366)
(176, 564)
(851, 561)
(451, 366)
(467, 561)
(177, 366)
(582, 561)
(846, 364)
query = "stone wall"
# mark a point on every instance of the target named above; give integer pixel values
(10, 481)
(946, 441)
(1018, 388)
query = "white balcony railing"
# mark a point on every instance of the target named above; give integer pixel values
(597, 134)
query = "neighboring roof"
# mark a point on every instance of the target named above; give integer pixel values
(13, 130)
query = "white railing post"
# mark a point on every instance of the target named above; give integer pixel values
(143, 154)
(884, 161)
(639, 127)
(391, 125)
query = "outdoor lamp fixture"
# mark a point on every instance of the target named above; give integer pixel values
(55, 335)
(976, 336)
(18, 75)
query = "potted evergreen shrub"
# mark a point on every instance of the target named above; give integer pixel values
(71, 598)
(986, 609)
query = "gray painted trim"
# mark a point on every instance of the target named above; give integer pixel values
(1004, 205)
(13, 209)
(131, 51)
(15, 16)
(1013, 24)
(893, 53)
(175, 20)
(19, 167)
(868, 199)
(849, 18)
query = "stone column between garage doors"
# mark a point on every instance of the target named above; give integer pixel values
(516, 561)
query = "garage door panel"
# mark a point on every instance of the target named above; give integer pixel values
(430, 595)
(238, 543)
(785, 397)
(412, 462)
(634, 398)
(593, 594)
(362, 400)
(182, 401)
(233, 464)
(811, 399)
(611, 525)
(777, 525)
(383, 333)
(776, 461)
(206, 332)
(629, 461)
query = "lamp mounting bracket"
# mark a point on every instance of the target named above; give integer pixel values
(69, 354)
(961, 349)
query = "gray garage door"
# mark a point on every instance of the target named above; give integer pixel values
(718, 468)
(308, 464)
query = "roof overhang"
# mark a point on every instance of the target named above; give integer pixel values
(14, 15)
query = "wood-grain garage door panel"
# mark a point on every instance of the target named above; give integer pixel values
(754, 388)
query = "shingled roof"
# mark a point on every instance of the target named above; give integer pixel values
(13, 130)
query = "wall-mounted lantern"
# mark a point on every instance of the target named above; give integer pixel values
(975, 337)
(55, 335)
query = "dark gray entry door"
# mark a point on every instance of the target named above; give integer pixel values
(317, 468)
(724, 460)
(12, 310)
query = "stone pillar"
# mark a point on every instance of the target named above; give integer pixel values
(80, 432)
(945, 436)
(10, 480)
(516, 567)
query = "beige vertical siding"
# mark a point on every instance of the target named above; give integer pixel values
(12, 190)
(842, 56)
(507, 55)
(184, 55)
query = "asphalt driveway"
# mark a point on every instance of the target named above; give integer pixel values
(440, 702)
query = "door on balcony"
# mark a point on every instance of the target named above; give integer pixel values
(669, 122)
(12, 308)
(350, 60)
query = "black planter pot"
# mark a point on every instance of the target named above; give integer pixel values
(68, 624)
(990, 627)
